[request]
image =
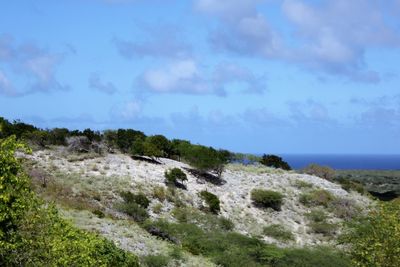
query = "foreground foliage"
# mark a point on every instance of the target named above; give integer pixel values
(374, 240)
(33, 234)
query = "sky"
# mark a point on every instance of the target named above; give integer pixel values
(252, 76)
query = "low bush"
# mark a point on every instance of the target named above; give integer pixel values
(211, 200)
(324, 172)
(237, 250)
(137, 212)
(139, 198)
(302, 184)
(267, 199)
(159, 193)
(317, 197)
(350, 185)
(207, 221)
(99, 213)
(319, 223)
(344, 208)
(155, 260)
(175, 176)
(134, 205)
(325, 228)
(278, 232)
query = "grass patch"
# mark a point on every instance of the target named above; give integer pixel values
(278, 232)
(317, 197)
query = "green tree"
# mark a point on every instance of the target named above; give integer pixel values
(274, 161)
(175, 176)
(161, 143)
(205, 159)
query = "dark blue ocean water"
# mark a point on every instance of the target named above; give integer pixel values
(345, 162)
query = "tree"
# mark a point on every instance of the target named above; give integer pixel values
(175, 176)
(161, 143)
(274, 161)
(205, 159)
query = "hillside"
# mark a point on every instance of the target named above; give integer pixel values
(84, 184)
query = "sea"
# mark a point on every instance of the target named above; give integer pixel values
(345, 162)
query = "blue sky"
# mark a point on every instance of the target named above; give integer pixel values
(260, 76)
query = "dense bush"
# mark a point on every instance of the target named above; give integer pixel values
(278, 232)
(274, 161)
(134, 205)
(319, 223)
(236, 250)
(350, 185)
(211, 200)
(175, 176)
(374, 239)
(155, 260)
(267, 199)
(324, 172)
(33, 234)
(139, 198)
(317, 197)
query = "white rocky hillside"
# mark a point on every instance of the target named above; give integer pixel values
(101, 178)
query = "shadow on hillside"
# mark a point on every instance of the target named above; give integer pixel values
(205, 176)
(146, 159)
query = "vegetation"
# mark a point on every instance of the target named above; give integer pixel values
(278, 232)
(33, 234)
(319, 223)
(211, 200)
(317, 197)
(267, 199)
(324, 172)
(235, 250)
(374, 239)
(274, 161)
(134, 205)
(175, 176)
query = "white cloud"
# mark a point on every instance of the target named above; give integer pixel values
(96, 83)
(6, 88)
(185, 76)
(31, 64)
(181, 76)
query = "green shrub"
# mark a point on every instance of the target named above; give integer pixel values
(99, 213)
(344, 208)
(317, 197)
(175, 176)
(319, 224)
(317, 215)
(139, 199)
(155, 260)
(324, 172)
(302, 184)
(274, 161)
(313, 257)
(159, 193)
(137, 212)
(267, 199)
(323, 227)
(211, 200)
(278, 232)
(207, 221)
(350, 185)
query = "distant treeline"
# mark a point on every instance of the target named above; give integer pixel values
(136, 143)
